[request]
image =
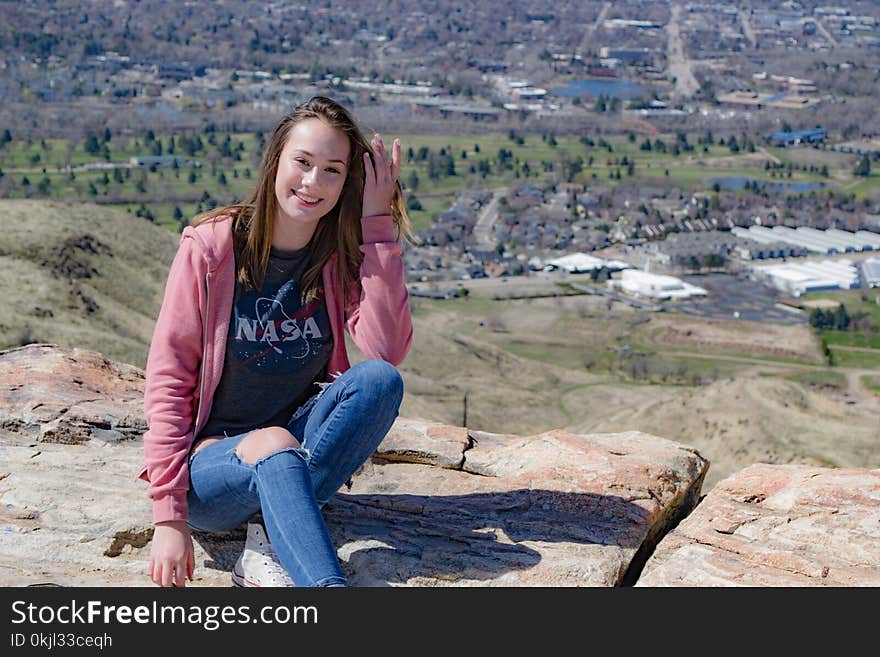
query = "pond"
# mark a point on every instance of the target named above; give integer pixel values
(734, 183)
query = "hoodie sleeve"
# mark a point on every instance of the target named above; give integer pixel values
(379, 320)
(172, 376)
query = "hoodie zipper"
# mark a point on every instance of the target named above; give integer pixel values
(204, 353)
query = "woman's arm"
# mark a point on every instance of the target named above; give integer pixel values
(171, 379)
(379, 318)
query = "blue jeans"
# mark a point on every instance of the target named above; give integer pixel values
(338, 429)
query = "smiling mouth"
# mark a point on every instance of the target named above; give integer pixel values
(307, 200)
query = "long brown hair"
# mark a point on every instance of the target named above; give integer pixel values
(338, 231)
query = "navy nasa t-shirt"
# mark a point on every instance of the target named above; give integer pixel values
(276, 349)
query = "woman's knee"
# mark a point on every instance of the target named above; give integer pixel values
(382, 375)
(262, 442)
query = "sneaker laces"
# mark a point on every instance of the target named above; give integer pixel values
(272, 564)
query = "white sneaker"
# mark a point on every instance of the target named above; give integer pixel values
(258, 565)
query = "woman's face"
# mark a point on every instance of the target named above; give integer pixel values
(311, 172)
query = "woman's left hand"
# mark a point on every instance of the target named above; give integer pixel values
(380, 180)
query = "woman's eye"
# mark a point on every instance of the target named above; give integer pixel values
(302, 161)
(332, 170)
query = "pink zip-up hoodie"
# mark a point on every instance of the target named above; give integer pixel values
(189, 341)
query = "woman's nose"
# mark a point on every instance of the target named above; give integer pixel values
(310, 177)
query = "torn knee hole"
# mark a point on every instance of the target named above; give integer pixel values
(262, 457)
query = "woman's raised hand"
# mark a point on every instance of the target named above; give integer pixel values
(380, 180)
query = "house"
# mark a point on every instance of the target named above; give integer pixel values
(794, 137)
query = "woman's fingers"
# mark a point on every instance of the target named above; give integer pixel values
(180, 575)
(395, 159)
(157, 574)
(369, 172)
(381, 175)
(379, 158)
(167, 573)
(190, 565)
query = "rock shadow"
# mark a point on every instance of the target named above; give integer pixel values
(391, 539)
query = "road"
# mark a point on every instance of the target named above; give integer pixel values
(686, 84)
(772, 157)
(825, 33)
(587, 41)
(488, 216)
(747, 27)
(77, 168)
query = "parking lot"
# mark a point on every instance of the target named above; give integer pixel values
(740, 298)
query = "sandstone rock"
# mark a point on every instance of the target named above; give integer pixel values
(555, 509)
(436, 505)
(69, 395)
(71, 510)
(777, 525)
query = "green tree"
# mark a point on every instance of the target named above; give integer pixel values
(841, 318)
(863, 168)
(412, 181)
(826, 352)
(92, 146)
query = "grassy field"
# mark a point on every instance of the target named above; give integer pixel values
(588, 338)
(819, 378)
(856, 302)
(853, 301)
(872, 383)
(843, 357)
(855, 339)
(426, 175)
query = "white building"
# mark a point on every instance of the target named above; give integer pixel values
(801, 278)
(655, 286)
(826, 242)
(577, 263)
(871, 272)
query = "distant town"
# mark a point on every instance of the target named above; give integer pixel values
(643, 143)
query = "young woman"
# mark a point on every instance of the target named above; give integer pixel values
(250, 399)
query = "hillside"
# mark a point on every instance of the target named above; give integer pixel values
(533, 365)
(81, 276)
(86, 276)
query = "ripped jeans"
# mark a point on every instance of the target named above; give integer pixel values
(338, 429)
